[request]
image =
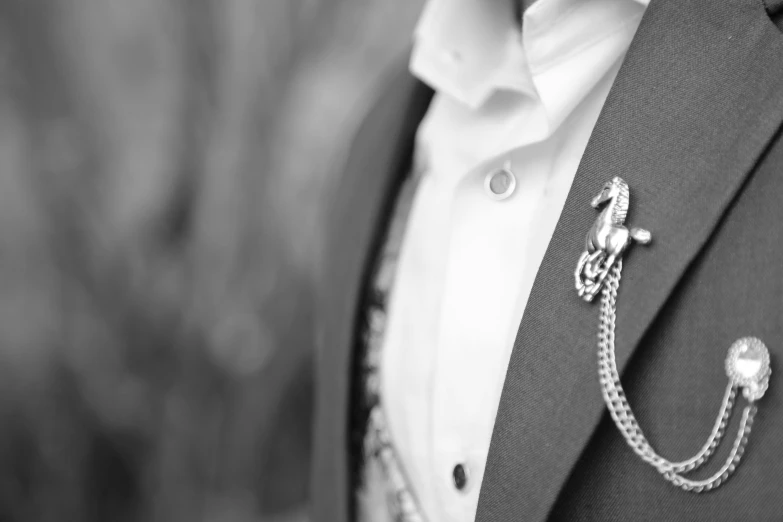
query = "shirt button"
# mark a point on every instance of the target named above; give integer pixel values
(500, 183)
(460, 476)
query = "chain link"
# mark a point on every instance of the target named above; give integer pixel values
(623, 416)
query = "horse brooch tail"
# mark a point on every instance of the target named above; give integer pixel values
(607, 239)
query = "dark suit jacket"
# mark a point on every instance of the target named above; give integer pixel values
(692, 124)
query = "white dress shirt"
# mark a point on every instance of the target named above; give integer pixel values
(524, 96)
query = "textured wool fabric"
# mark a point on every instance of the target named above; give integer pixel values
(692, 125)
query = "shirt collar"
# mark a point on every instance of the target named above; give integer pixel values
(468, 49)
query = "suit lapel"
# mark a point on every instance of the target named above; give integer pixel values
(697, 99)
(355, 211)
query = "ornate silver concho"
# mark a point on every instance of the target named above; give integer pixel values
(747, 366)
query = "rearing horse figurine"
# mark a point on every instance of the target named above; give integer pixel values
(607, 239)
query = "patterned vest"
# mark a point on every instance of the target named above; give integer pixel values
(381, 486)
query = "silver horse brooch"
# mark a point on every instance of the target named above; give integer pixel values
(747, 363)
(607, 239)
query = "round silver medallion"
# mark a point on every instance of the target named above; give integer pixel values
(747, 365)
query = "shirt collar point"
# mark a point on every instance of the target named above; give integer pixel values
(450, 73)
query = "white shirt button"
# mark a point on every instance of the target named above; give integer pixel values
(500, 183)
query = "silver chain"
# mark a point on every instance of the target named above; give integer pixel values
(623, 416)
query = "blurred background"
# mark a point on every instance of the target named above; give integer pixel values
(160, 160)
